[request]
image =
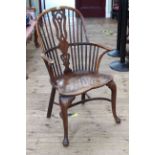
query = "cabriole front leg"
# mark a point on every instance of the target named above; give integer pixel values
(113, 89)
(64, 103)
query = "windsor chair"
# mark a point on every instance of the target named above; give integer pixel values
(72, 61)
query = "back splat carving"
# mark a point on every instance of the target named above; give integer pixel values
(59, 20)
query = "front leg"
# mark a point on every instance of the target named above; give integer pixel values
(113, 89)
(65, 101)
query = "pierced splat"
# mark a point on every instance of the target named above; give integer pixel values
(59, 20)
(65, 58)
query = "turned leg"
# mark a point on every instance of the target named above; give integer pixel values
(83, 98)
(51, 101)
(64, 103)
(113, 89)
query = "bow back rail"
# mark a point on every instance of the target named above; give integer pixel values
(64, 40)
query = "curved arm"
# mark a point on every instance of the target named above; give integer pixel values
(97, 45)
(82, 43)
(48, 63)
(90, 43)
(100, 58)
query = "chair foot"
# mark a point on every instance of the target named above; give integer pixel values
(65, 142)
(113, 89)
(117, 120)
(65, 101)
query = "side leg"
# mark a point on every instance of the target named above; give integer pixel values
(64, 103)
(51, 101)
(113, 89)
(83, 98)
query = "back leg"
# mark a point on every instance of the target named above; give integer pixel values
(83, 98)
(51, 102)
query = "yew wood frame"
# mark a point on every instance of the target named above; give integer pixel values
(48, 45)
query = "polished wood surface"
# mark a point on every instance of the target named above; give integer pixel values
(80, 82)
(71, 60)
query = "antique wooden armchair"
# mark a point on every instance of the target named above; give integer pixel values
(71, 60)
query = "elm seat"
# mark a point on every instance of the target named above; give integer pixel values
(72, 61)
(77, 83)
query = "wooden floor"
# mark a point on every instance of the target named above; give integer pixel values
(93, 131)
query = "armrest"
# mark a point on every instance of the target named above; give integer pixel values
(104, 48)
(48, 63)
(89, 43)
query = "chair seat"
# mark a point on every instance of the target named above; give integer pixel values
(77, 83)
